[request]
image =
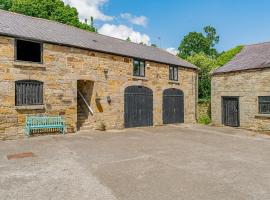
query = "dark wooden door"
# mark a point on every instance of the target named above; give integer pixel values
(138, 107)
(173, 106)
(230, 111)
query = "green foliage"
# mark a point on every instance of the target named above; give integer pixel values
(195, 43)
(198, 49)
(128, 39)
(54, 10)
(206, 65)
(5, 4)
(204, 111)
(204, 119)
(154, 45)
(227, 56)
(211, 35)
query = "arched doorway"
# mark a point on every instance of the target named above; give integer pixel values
(173, 106)
(138, 106)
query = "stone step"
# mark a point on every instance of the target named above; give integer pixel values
(86, 124)
(82, 125)
(82, 118)
(85, 128)
(82, 122)
(81, 115)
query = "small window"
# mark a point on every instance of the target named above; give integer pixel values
(28, 51)
(264, 105)
(28, 92)
(173, 73)
(138, 68)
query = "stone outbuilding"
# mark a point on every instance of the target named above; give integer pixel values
(93, 81)
(241, 90)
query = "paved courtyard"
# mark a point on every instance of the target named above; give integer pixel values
(173, 162)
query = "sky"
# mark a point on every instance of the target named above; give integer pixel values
(166, 22)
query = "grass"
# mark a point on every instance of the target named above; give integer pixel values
(204, 119)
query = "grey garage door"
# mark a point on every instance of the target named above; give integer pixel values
(138, 106)
(173, 106)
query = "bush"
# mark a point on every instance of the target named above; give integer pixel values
(204, 119)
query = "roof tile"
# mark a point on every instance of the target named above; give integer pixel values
(255, 56)
(18, 25)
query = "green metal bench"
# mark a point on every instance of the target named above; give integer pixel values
(36, 123)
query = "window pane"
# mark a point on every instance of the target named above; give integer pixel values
(175, 73)
(28, 51)
(139, 68)
(142, 67)
(142, 70)
(264, 99)
(28, 93)
(171, 73)
(136, 68)
(264, 105)
(142, 63)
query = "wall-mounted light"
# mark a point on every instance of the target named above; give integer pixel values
(98, 99)
(109, 100)
(106, 71)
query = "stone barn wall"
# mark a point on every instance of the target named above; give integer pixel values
(61, 69)
(248, 85)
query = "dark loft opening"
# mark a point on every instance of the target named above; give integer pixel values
(28, 51)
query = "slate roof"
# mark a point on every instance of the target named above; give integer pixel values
(18, 25)
(256, 56)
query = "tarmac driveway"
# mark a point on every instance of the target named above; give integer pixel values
(173, 162)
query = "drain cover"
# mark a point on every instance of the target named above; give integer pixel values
(20, 155)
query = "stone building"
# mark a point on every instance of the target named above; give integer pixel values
(241, 90)
(93, 81)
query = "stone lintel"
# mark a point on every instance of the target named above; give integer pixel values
(173, 82)
(139, 78)
(34, 107)
(263, 116)
(21, 64)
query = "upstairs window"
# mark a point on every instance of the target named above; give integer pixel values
(264, 105)
(138, 68)
(28, 92)
(173, 73)
(28, 51)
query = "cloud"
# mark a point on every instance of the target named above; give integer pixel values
(88, 8)
(141, 20)
(123, 32)
(172, 51)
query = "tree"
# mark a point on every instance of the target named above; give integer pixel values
(194, 43)
(54, 10)
(128, 39)
(206, 65)
(211, 35)
(154, 45)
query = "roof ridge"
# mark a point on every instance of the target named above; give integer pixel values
(256, 44)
